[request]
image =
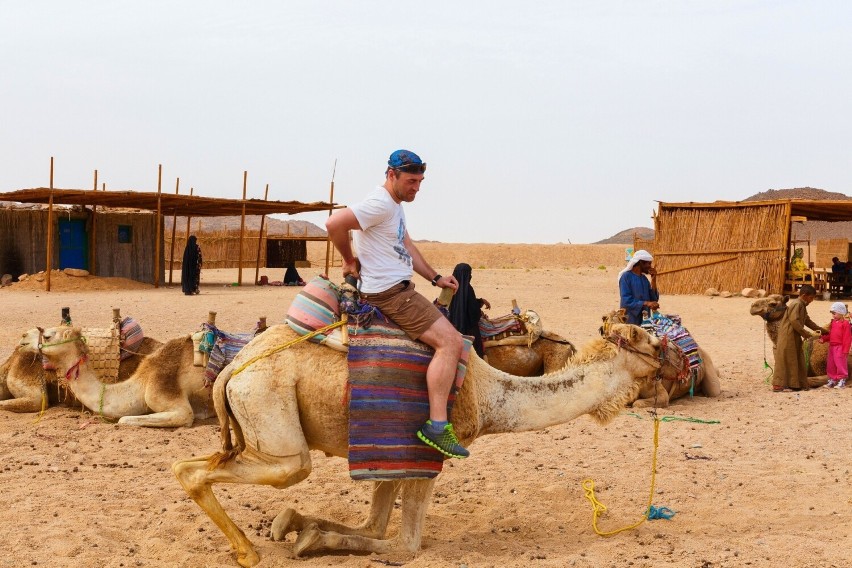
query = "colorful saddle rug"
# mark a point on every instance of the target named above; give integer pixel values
(316, 306)
(504, 325)
(388, 403)
(670, 326)
(131, 337)
(225, 347)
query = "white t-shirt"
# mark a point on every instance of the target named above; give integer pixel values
(380, 244)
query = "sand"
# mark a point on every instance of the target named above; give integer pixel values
(768, 485)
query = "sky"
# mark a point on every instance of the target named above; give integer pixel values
(541, 122)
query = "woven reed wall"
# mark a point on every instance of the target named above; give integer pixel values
(219, 249)
(23, 248)
(725, 248)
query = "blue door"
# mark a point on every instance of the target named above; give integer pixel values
(73, 244)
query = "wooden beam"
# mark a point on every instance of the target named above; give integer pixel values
(174, 226)
(722, 251)
(699, 265)
(260, 239)
(157, 225)
(49, 231)
(242, 231)
(93, 245)
(329, 250)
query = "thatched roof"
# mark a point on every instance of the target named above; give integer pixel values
(170, 204)
(810, 209)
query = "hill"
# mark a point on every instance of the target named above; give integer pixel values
(625, 237)
(810, 230)
(273, 226)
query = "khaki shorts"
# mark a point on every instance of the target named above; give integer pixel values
(408, 309)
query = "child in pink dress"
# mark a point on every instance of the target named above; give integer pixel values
(839, 340)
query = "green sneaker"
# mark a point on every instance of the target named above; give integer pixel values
(444, 441)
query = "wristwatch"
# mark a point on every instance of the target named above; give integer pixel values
(435, 279)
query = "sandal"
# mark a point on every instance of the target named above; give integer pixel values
(777, 388)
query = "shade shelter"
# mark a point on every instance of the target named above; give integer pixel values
(731, 245)
(154, 204)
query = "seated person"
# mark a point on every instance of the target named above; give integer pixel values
(797, 263)
(291, 276)
(838, 267)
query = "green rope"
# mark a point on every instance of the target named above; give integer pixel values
(671, 418)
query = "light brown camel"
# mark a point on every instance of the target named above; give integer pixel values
(550, 352)
(24, 381)
(287, 402)
(772, 309)
(671, 384)
(166, 390)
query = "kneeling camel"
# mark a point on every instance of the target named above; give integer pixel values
(166, 390)
(284, 403)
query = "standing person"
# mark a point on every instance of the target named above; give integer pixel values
(791, 373)
(386, 261)
(839, 340)
(190, 270)
(466, 309)
(637, 293)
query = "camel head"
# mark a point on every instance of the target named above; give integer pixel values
(615, 316)
(47, 341)
(641, 353)
(771, 308)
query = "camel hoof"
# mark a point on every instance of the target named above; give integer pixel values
(307, 538)
(248, 558)
(284, 523)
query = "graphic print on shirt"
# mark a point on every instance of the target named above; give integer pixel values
(400, 245)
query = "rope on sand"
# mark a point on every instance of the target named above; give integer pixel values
(651, 512)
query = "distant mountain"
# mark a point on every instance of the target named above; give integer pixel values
(274, 227)
(625, 237)
(810, 230)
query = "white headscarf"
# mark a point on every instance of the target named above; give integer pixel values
(634, 260)
(838, 308)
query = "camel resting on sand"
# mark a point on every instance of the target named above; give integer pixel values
(166, 390)
(287, 402)
(24, 381)
(550, 352)
(771, 309)
(668, 386)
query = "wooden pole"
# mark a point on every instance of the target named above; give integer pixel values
(49, 231)
(188, 219)
(329, 250)
(782, 272)
(93, 249)
(174, 226)
(242, 231)
(260, 238)
(158, 227)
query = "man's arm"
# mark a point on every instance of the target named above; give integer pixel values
(338, 226)
(423, 268)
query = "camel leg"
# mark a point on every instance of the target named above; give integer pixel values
(182, 416)
(27, 404)
(384, 495)
(814, 382)
(250, 467)
(710, 385)
(416, 494)
(659, 398)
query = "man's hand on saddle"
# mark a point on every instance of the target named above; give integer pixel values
(652, 305)
(352, 267)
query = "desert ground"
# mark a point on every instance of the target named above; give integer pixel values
(767, 485)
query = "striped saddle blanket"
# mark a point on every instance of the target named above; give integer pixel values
(225, 347)
(388, 403)
(670, 326)
(502, 326)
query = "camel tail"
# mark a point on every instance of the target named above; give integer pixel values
(226, 418)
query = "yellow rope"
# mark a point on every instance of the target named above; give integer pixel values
(599, 508)
(320, 331)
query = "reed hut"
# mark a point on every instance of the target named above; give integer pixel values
(731, 245)
(115, 233)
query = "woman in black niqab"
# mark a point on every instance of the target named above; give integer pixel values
(190, 272)
(466, 309)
